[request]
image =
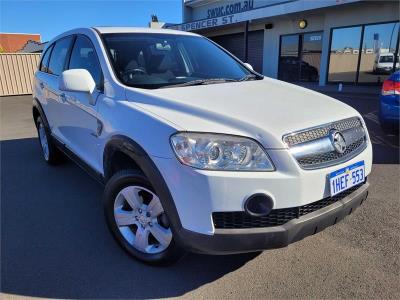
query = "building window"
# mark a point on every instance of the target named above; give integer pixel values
(363, 54)
(344, 52)
(378, 52)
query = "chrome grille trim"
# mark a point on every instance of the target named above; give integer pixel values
(313, 149)
(317, 132)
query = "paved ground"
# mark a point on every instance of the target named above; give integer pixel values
(54, 241)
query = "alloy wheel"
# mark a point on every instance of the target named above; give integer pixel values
(43, 141)
(141, 220)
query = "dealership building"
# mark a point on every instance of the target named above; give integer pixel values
(321, 41)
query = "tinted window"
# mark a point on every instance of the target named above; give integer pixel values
(84, 56)
(57, 59)
(159, 60)
(386, 59)
(45, 60)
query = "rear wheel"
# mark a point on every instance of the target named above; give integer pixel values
(51, 154)
(137, 219)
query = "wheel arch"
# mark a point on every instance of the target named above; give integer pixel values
(37, 111)
(122, 144)
(117, 148)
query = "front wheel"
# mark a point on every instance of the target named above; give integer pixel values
(137, 219)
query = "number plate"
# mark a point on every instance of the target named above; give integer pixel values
(347, 177)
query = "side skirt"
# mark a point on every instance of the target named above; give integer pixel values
(76, 159)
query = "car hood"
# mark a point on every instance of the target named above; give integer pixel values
(262, 109)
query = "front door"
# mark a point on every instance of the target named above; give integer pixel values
(79, 124)
(300, 57)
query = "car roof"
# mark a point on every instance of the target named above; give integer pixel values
(107, 29)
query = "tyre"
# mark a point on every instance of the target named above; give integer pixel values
(51, 154)
(136, 219)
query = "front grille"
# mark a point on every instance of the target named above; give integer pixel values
(321, 131)
(240, 219)
(312, 158)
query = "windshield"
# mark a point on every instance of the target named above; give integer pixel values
(151, 61)
(386, 59)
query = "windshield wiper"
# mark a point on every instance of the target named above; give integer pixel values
(200, 82)
(249, 77)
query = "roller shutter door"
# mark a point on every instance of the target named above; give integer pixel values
(256, 49)
(234, 43)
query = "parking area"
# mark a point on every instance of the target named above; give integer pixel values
(55, 243)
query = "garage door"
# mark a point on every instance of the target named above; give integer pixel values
(234, 43)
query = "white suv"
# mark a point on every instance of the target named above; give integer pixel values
(196, 150)
(383, 63)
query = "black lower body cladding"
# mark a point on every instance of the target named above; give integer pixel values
(229, 241)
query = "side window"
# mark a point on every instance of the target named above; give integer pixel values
(44, 65)
(83, 56)
(58, 55)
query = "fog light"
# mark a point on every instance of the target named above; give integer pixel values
(259, 205)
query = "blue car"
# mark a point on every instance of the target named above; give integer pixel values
(389, 112)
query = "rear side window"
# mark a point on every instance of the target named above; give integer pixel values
(83, 56)
(58, 55)
(44, 66)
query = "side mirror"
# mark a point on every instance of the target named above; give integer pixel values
(249, 66)
(76, 80)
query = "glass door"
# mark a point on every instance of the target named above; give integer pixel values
(289, 67)
(300, 57)
(311, 51)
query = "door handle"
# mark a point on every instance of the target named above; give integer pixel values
(41, 85)
(63, 98)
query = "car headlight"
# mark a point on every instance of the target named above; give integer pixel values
(220, 152)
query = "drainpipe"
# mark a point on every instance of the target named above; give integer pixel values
(246, 41)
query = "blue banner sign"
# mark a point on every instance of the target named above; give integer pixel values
(205, 23)
(230, 9)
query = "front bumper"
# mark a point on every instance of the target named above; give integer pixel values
(229, 241)
(197, 194)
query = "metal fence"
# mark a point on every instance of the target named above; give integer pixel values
(16, 73)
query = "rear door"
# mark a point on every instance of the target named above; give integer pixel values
(40, 83)
(78, 124)
(54, 97)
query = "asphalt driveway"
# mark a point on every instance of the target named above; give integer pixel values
(54, 240)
